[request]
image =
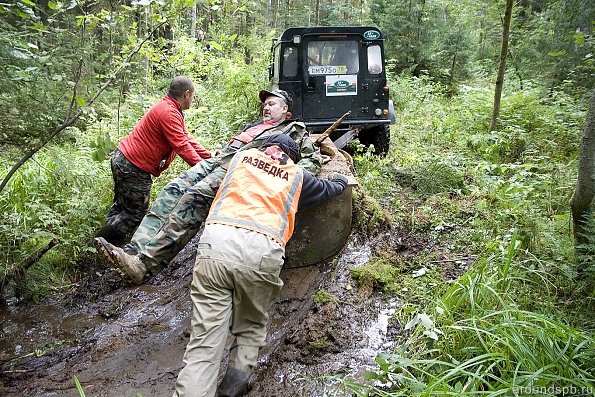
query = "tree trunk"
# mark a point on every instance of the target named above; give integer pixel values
(502, 67)
(582, 199)
(193, 21)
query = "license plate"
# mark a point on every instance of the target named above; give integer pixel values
(327, 69)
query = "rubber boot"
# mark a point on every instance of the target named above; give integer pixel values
(110, 235)
(233, 384)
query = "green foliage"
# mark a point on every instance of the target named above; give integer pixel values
(504, 326)
(60, 194)
(368, 214)
(437, 177)
(556, 43)
(446, 180)
(322, 296)
(477, 339)
(47, 348)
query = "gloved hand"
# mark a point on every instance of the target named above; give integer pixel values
(338, 178)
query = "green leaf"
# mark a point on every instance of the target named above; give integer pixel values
(579, 38)
(216, 45)
(52, 5)
(425, 320)
(20, 55)
(557, 54)
(79, 388)
(29, 2)
(38, 26)
(80, 101)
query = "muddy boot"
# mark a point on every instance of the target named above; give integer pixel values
(130, 267)
(110, 235)
(234, 383)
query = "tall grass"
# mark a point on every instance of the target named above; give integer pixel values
(477, 340)
(518, 322)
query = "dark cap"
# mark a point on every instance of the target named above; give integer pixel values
(285, 143)
(264, 94)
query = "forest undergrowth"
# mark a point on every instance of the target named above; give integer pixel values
(516, 321)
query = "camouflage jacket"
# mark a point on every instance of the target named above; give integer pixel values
(310, 161)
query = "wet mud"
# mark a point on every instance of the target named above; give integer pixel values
(120, 340)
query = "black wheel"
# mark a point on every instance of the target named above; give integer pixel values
(379, 136)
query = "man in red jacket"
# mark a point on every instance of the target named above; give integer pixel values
(147, 151)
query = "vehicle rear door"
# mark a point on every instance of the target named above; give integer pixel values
(331, 66)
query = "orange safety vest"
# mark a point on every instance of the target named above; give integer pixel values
(259, 193)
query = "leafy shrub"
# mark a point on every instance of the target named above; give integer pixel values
(60, 193)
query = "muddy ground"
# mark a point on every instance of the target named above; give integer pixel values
(120, 340)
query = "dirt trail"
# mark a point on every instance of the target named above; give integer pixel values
(120, 340)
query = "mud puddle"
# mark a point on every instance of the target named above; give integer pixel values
(121, 341)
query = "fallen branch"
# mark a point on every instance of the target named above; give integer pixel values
(332, 128)
(17, 270)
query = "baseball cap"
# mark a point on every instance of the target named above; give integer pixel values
(264, 94)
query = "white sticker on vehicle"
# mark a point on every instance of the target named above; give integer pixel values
(341, 85)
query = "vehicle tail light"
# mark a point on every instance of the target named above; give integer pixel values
(386, 89)
(385, 112)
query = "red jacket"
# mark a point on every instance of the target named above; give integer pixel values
(158, 136)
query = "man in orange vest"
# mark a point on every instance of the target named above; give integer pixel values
(239, 257)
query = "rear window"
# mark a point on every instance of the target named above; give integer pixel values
(333, 57)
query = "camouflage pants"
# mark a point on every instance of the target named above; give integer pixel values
(132, 190)
(177, 214)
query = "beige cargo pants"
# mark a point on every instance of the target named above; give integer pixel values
(227, 295)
